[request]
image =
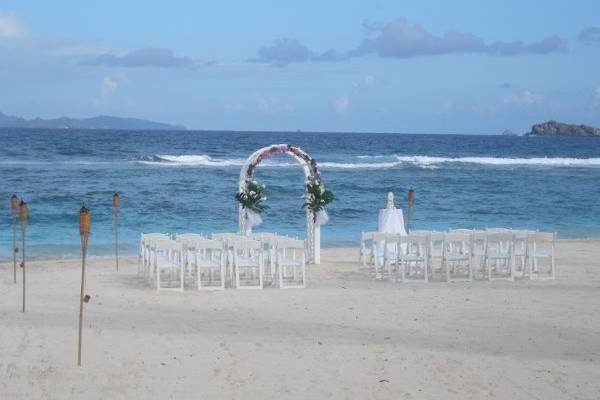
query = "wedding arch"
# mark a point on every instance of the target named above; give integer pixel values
(312, 177)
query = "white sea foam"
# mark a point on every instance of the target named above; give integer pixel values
(192, 160)
(536, 161)
(381, 165)
(433, 162)
(204, 160)
(426, 162)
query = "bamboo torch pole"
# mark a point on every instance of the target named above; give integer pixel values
(23, 215)
(116, 212)
(410, 199)
(13, 206)
(84, 233)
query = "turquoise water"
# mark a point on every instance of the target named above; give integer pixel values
(186, 181)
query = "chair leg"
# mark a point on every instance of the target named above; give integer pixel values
(552, 265)
(388, 269)
(447, 268)
(182, 273)
(199, 276)
(303, 273)
(402, 266)
(272, 267)
(260, 273)
(157, 277)
(470, 268)
(280, 269)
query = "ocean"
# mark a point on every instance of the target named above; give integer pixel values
(185, 181)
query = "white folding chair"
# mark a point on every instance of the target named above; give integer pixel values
(475, 245)
(209, 261)
(456, 252)
(291, 255)
(477, 248)
(412, 257)
(248, 263)
(145, 253)
(228, 239)
(168, 265)
(540, 245)
(499, 250)
(188, 258)
(502, 230)
(366, 256)
(435, 252)
(520, 251)
(384, 248)
(269, 244)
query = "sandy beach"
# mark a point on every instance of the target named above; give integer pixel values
(347, 336)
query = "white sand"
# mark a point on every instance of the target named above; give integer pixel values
(347, 336)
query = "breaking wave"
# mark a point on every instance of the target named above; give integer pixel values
(378, 162)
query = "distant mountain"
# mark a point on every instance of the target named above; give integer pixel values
(553, 128)
(508, 132)
(99, 122)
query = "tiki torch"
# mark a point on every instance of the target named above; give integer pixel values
(13, 206)
(84, 233)
(116, 213)
(410, 199)
(23, 215)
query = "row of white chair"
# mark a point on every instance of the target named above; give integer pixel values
(459, 254)
(194, 260)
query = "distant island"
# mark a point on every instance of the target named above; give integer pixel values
(553, 128)
(99, 122)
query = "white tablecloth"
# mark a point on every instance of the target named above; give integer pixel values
(391, 220)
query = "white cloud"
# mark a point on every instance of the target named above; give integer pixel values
(370, 80)
(341, 104)
(108, 86)
(400, 39)
(11, 26)
(525, 98)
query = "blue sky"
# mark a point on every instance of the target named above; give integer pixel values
(389, 66)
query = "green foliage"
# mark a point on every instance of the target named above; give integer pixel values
(252, 196)
(316, 197)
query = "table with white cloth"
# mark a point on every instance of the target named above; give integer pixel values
(391, 220)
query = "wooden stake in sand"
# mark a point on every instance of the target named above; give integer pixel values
(15, 249)
(23, 215)
(116, 212)
(410, 199)
(84, 232)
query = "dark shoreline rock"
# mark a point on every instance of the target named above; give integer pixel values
(554, 128)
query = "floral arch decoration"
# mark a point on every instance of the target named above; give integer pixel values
(251, 194)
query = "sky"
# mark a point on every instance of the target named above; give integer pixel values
(473, 67)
